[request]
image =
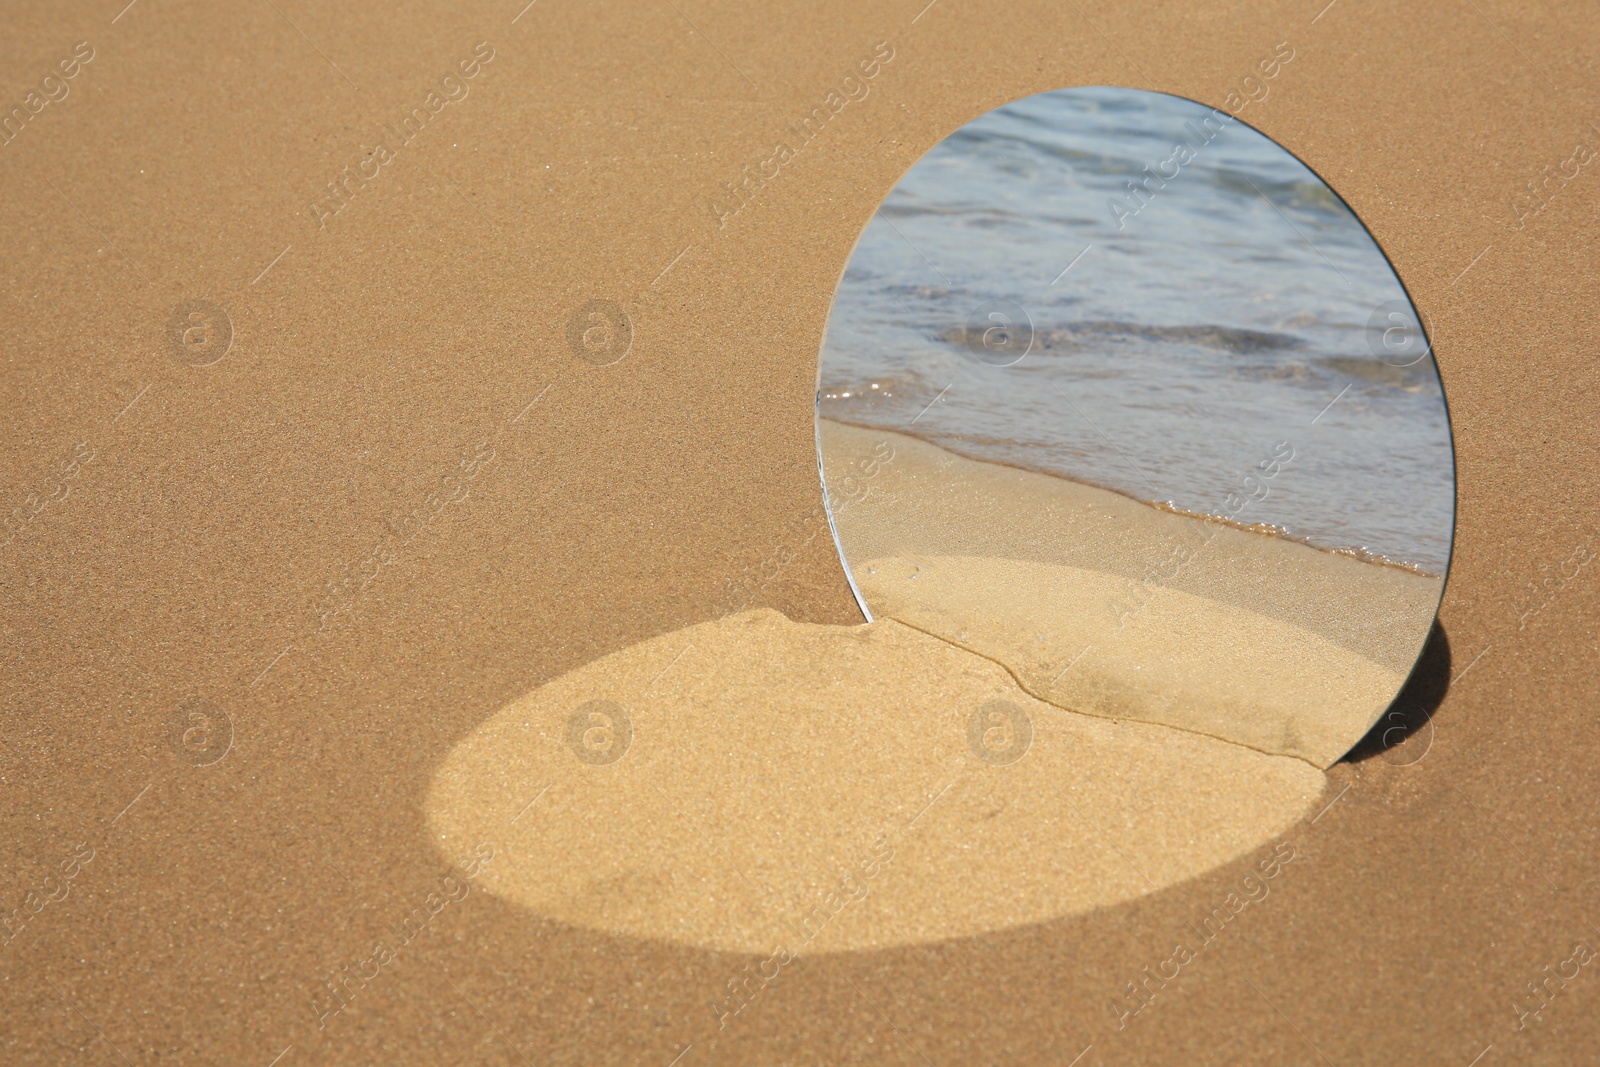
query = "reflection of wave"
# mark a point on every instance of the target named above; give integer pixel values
(1083, 334)
(984, 215)
(1167, 353)
(1308, 196)
(992, 143)
(885, 390)
(1419, 377)
(1109, 169)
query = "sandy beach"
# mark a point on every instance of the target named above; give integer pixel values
(756, 783)
(1104, 605)
(392, 540)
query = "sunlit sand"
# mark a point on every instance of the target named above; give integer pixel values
(822, 789)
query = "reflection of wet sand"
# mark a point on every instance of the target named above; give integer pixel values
(1246, 637)
(815, 789)
(1183, 660)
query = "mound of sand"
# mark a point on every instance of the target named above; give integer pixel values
(760, 785)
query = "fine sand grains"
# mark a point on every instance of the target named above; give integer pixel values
(760, 785)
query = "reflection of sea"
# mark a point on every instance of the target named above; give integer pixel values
(1175, 353)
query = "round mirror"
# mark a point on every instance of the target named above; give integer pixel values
(1118, 394)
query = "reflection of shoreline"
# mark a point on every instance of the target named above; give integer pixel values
(1261, 528)
(1267, 529)
(1104, 605)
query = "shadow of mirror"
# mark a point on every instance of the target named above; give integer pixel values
(1119, 394)
(1403, 735)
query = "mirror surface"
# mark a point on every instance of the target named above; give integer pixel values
(1119, 394)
